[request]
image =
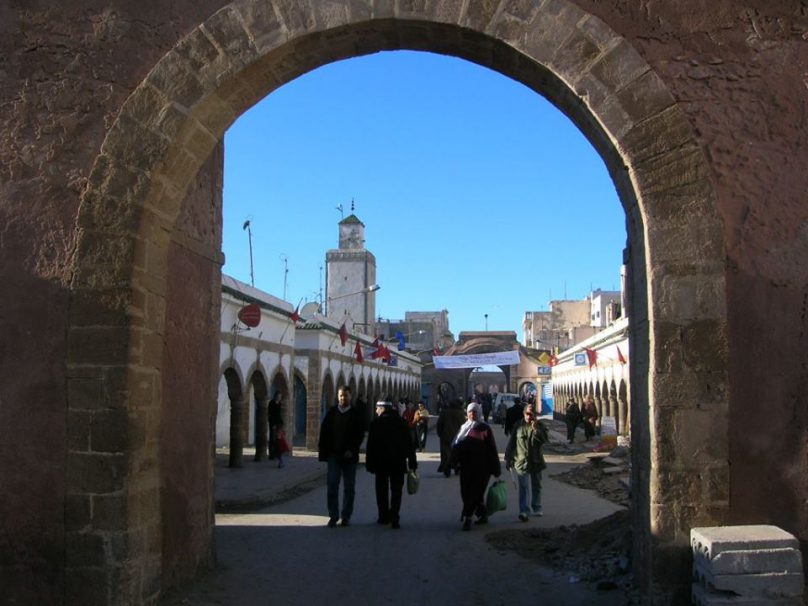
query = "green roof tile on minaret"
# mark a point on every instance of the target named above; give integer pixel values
(351, 219)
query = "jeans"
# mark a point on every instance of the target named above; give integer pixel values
(338, 468)
(534, 478)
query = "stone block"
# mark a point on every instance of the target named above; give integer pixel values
(613, 470)
(762, 585)
(750, 561)
(713, 540)
(612, 461)
(702, 597)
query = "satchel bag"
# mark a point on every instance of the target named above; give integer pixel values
(497, 497)
(413, 482)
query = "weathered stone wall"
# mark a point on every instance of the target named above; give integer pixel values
(735, 68)
(190, 378)
(740, 72)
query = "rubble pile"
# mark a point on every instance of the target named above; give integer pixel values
(597, 553)
(606, 474)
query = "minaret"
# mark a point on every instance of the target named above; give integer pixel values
(350, 272)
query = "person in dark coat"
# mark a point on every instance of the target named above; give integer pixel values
(390, 454)
(341, 435)
(572, 417)
(475, 451)
(275, 420)
(590, 416)
(513, 416)
(450, 420)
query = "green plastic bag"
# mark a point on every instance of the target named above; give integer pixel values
(497, 497)
(413, 482)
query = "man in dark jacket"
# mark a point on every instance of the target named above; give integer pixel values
(513, 416)
(390, 452)
(275, 419)
(341, 435)
(450, 419)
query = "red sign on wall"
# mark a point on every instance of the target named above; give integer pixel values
(250, 315)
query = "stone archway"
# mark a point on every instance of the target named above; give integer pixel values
(177, 116)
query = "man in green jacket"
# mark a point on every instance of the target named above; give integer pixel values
(525, 455)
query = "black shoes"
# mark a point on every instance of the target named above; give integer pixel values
(345, 522)
(467, 523)
(481, 520)
(332, 522)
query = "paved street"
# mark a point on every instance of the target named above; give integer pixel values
(284, 553)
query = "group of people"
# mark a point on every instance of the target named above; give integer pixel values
(473, 451)
(575, 415)
(467, 447)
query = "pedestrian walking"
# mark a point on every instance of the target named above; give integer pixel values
(390, 454)
(525, 455)
(475, 451)
(421, 425)
(275, 420)
(282, 445)
(409, 417)
(590, 416)
(450, 419)
(572, 417)
(513, 415)
(341, 435)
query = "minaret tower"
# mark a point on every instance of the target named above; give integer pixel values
(350, 276)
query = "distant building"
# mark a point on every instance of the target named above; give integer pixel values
(423, 331)
(569, 322)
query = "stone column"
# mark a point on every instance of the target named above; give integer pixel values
(261, 429)
(236, 440)
(622, 407)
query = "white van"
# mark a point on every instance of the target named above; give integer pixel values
(502, 403)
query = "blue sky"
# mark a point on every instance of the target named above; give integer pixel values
(478, 196)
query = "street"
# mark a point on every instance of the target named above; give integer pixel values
(285, 554)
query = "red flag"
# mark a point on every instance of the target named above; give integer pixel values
(435, 352)
(358, 353)
(553, 360)
(294, 316)
(343, 334)
(593, 357)
(620, 357)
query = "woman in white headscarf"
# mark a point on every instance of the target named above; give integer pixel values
(475, 451)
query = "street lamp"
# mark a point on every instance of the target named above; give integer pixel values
(367, 289)
(364, 291)
(486, 322)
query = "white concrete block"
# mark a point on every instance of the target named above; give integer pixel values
(712, 540)
(701, 596)
(746, 561)
(763, 585)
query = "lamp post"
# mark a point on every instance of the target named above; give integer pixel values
(486, 322)
(364, 291)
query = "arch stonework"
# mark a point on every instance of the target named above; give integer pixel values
(173, 120)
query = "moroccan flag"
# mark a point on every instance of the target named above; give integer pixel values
(553, 360)
(435, 352)
(358, 353)
(343, 334)
(592, 355)
(295, 317)
(620, 356)
(386, 355)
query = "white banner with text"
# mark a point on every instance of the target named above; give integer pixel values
(497, 358)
